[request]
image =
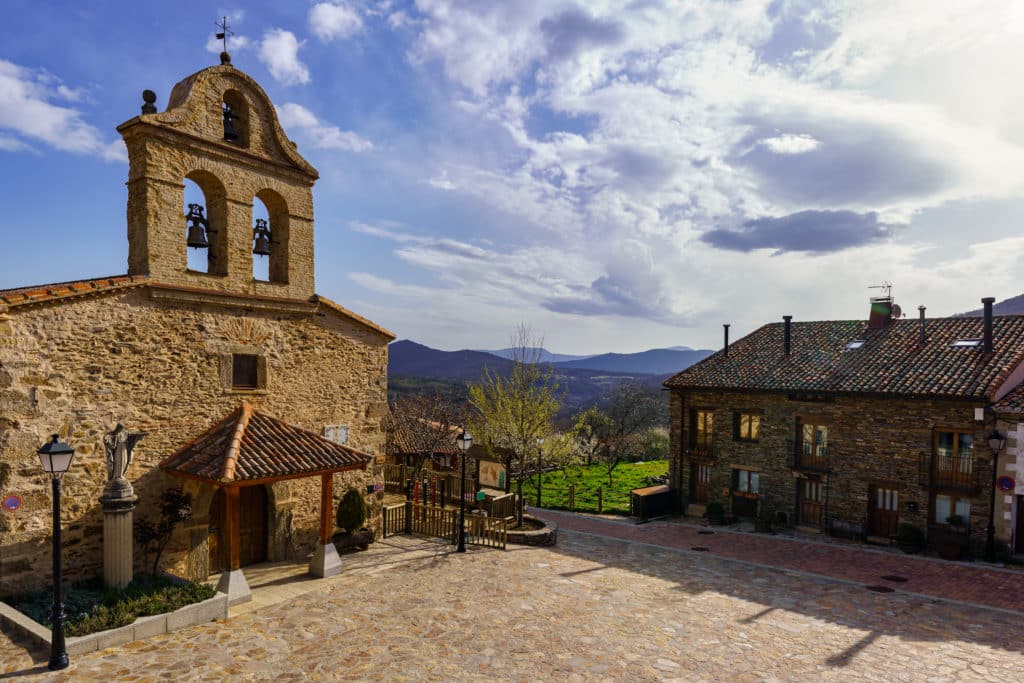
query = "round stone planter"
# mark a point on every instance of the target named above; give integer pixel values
(538, 532)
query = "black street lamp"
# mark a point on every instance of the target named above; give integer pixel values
(540, 466)
(996, 441)
(55, 457)
(463, 441)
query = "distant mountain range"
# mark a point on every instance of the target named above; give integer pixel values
(415, 367)
(1012, 306)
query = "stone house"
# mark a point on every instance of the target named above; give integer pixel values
(856, 426)
(262, 399)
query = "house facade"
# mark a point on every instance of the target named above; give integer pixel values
(261, 399)
(853, 425)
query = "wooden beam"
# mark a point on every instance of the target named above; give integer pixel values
(326, 507)
(231, 521)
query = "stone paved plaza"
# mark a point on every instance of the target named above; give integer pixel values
(592, 608)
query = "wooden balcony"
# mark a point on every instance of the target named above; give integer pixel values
(953, 473)
(703, 453)
(812, 459)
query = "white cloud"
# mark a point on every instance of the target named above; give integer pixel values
(322, 136)
(790, 144)
(236, 44)
(334, 20)
(27, 110)
(441, 182)
(279, 51)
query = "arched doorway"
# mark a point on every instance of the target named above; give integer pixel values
(252, 528)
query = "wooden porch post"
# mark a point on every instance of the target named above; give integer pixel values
(326, 507)
(231, 521)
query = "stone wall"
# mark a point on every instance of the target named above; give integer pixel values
(872, 440)
(157, 364)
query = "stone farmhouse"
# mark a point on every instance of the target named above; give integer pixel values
(261, 399)
(854, 425)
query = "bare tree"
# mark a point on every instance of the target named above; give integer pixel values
(513, 411)
(632, 410)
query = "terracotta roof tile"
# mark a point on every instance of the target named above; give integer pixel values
(62, 290)
(249, 445)
(1012, 403)
(891, 360)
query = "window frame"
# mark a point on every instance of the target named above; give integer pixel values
(753, 418)
(705, 417)
(227, 371)
(750, 477)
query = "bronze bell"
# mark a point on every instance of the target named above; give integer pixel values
(261, 233)
(229, 128)
(197, 226)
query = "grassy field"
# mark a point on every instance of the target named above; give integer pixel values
(587, 480)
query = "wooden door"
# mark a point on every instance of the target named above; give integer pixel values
(217, 515)
(1018, 536)
(252, 525)
(700, 482)
(883, 510)
(810, 494)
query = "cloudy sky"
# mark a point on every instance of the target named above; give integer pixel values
(618, 175)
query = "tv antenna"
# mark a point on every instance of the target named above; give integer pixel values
(886, 288)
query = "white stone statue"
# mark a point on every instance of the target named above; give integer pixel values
(119, 445)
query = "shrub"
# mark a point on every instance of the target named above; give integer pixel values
(910, 536)
(351, 511)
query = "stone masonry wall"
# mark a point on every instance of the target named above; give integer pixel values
(159, 366)
(871, 440)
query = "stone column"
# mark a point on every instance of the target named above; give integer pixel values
(118, 502)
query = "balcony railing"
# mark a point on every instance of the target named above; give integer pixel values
(811, 459)
(700, 452)
(957, 473)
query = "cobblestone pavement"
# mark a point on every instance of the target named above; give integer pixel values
(592, 608)
(973, 583)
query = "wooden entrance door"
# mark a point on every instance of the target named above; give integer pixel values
(252, 525)
(1018, 536)
(810, 494)
(883, 510)
(252, 528)
(700, 482)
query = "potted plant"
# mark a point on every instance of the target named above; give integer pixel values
(949, 540)
(350, 518)
(715, 513)
(910, 538)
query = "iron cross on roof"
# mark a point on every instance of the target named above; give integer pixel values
(224, 31)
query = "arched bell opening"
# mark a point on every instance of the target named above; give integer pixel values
(235, 111)
(270, 237)
(205, 213)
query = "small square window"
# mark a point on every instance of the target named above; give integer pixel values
(245, 371)
(746, 426)
(965, 343)
(855, 344)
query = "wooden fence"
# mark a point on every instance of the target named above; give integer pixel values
(414, 518)
(396, 478)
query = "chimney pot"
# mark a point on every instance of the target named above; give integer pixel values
(725, 347)
(987, 303)
(787, 333)
(924, 338)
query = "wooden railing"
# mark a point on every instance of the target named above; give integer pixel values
(812, 458)
(435, 521)
(950, 472)
(501, 507)
(396, 479)
(486, 531)
(394, 520)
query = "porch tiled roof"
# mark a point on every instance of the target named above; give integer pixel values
(421, 438)
(35, 294)
(1012, 403)
(891, 360)
(249, 445)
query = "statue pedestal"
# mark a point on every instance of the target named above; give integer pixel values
(118, 502)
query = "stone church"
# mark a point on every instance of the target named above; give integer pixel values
(261, 399)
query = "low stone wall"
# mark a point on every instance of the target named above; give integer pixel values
(548, 535)
(141, 629)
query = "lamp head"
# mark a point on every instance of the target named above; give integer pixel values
(464, 441)
(55, 456)
(996, 440)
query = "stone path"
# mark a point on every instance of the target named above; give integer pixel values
(592, 608)
(973, 583)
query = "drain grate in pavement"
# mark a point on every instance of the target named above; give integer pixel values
(880, 589)
(706, 532)
(894, 578)
(699, 549)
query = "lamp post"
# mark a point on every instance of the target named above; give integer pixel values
(463, 441)
(996, 441)
(55, 457)
(540, 466)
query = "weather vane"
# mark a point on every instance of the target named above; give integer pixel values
(224, 31)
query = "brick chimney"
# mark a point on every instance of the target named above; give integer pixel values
(881, 312)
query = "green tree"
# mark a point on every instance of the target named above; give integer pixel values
(513, 411)
(633, 409)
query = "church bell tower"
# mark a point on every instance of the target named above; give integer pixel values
(220, 130)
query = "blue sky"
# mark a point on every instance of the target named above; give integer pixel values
(620, 176)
